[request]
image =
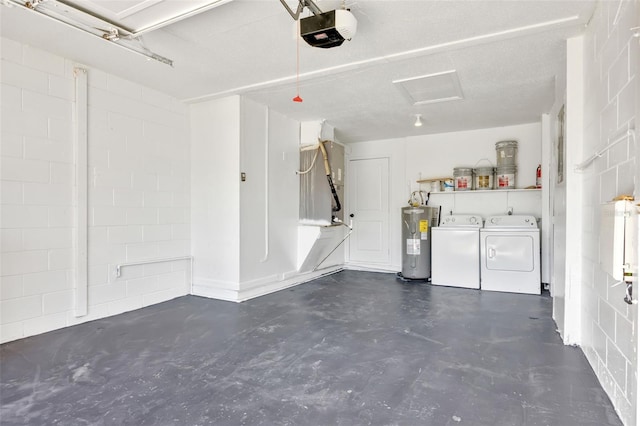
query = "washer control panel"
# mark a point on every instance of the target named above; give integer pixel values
(461, 220)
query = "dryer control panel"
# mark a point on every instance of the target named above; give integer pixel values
(512, 221)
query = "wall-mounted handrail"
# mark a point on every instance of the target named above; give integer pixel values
(598, 154)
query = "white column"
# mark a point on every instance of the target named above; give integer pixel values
(574, 142)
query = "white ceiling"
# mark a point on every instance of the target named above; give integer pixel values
(507, 56)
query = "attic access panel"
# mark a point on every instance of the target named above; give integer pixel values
(140, 16)
(431, 88)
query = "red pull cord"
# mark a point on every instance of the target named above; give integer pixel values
(297, 98)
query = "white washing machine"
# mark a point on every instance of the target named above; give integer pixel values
(455, 251)
(510, 254)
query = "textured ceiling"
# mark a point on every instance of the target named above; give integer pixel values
(508, 56)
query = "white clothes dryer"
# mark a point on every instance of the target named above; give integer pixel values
(455, 251)
(510, 254)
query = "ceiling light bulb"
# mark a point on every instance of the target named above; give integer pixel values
(418, 122)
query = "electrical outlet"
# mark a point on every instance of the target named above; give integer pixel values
(243, 177)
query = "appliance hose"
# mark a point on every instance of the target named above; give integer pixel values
(327, 169)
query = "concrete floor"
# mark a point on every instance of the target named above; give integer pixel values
(353, 348)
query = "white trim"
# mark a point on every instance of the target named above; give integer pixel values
(215, 289)
(214, 293)
(573, 182)
(353, 266)
(233, 292)
(259, 282)
(274, 286)
(547, 213)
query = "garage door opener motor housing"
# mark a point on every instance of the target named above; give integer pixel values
(328, 29)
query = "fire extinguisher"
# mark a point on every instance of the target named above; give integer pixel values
(539, 177)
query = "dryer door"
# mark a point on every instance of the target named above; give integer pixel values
(509, 252)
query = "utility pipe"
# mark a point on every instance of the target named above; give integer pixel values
(266, 189)
(80, 141)
(598, 154)
(147, 262)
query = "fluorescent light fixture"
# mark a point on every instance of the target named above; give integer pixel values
(418, 122)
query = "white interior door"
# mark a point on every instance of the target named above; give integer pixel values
(369, 210)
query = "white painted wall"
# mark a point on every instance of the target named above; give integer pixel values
(431, 156)
(394, 150)
(244, 234)
(488, 204)
(138, 193)
(269, 200)
(215, 196)
(611, 72)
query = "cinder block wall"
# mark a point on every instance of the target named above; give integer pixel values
(612, 59)
(138, 193)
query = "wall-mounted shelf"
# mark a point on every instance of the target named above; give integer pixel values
(484, 191)
(433, 179)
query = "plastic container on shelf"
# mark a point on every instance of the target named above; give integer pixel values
(506, 153)
(484, 178)
(463, 178)
(506, 177)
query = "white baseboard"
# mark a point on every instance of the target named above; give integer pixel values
(213, 289)
(390, 269)
(255, 288)
(267, 288)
